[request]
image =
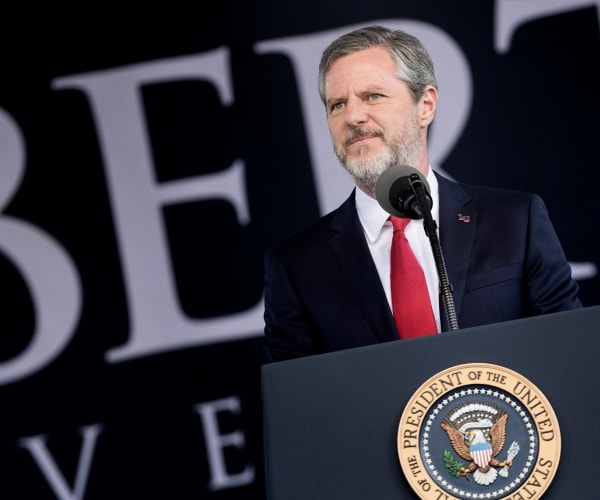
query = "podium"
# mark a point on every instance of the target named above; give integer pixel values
(331, 421)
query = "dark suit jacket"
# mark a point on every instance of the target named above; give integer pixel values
(503, 259)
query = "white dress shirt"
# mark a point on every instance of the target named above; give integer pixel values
(378, 232)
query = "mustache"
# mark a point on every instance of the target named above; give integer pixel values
(359, 132)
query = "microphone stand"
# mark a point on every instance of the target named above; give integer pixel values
(431, 231)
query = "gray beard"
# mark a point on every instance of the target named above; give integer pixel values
(403, 149)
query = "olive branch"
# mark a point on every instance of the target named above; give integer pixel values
(452, 466)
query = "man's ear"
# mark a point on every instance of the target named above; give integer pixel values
(428, 105)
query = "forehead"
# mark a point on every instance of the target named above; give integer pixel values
(365, 68)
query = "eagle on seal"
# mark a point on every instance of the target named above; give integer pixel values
(479, 443)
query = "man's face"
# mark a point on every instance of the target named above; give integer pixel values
(373, 120)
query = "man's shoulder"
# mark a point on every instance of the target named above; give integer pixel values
(484, 193)
(320, 230)
(308, 231)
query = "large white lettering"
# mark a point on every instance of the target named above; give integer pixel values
(216, 442)
(47, 269)
(511, 14)
(39, 451)
(157, 323)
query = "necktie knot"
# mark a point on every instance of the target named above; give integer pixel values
(399, 223)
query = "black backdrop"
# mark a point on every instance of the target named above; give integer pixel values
(149, 153)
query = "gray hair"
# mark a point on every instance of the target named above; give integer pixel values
(414, 64)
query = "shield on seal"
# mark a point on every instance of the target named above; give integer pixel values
(481, 453)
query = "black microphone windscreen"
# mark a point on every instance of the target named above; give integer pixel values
(395, 193)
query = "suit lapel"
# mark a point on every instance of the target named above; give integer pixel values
(354, 259)
(457, 226)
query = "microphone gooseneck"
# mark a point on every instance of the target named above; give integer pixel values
(404, 192)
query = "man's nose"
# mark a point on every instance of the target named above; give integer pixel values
(355, 112)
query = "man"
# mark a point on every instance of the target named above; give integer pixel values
(327, 287)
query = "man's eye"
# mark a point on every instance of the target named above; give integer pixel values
(374, 97)
(337, 106)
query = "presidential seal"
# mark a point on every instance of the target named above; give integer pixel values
(478, 431)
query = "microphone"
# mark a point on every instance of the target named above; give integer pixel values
(404, 192)
(395, 191)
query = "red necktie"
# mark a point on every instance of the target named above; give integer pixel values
(410, 299)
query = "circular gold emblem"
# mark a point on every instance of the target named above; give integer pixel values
(479, 432)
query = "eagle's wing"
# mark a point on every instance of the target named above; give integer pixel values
(458, 442)
(498, 434)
